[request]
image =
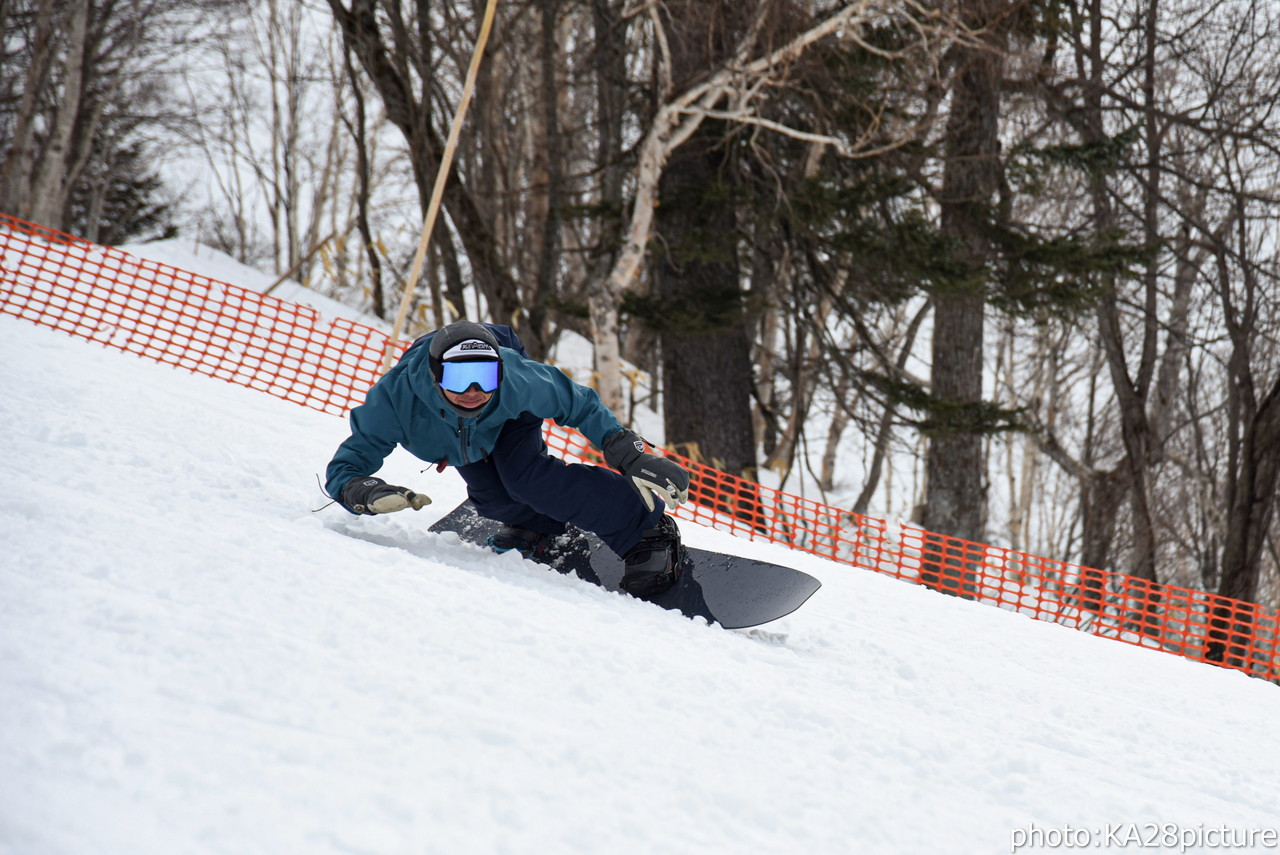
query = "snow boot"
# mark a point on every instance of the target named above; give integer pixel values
(527, 542)
(653, 564)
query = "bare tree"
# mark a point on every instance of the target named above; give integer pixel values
(279, 154)
(81, 78)
(1169, 114)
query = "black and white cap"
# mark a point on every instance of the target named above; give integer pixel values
(472, 348)
(459, 341)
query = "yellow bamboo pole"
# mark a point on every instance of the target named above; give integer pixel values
(442, 175)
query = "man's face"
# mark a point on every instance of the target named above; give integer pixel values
(470, 383)
(470, 399)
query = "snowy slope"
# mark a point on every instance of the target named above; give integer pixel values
(192, 661)
(186, 254)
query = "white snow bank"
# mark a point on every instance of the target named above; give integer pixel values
(187, 254)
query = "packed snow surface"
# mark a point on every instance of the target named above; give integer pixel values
(195, 660)
(188, 255)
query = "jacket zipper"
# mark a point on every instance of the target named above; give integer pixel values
(462, 435)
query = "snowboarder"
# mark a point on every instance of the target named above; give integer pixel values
(469, 396)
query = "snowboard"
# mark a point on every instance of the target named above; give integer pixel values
(729, 590)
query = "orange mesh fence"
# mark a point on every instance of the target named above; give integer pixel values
(1190, 623)
(184, 319)
(244, 337)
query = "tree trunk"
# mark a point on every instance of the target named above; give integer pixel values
(1254, 457)
(18, 166)
(1252, 501)
(956, 489)
(706, 364)
(49, 188)
(548, 263)
(706, 349)
(357, 128)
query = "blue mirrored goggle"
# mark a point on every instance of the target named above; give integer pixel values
(458, 377)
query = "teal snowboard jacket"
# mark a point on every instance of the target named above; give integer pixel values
(406, 408)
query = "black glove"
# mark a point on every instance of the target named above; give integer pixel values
(649, 473)
(375, 496)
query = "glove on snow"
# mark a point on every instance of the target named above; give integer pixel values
(375, 496)
(625, 452)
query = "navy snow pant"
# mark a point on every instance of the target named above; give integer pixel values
(521, 484)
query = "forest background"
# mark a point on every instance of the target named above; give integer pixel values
(1005, 269)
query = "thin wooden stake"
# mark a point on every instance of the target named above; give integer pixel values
(442, 175)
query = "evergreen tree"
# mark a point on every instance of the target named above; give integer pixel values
(120, 198)
(706, 350)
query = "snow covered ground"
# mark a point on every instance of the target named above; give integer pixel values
(193, 661)
(188, 255)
